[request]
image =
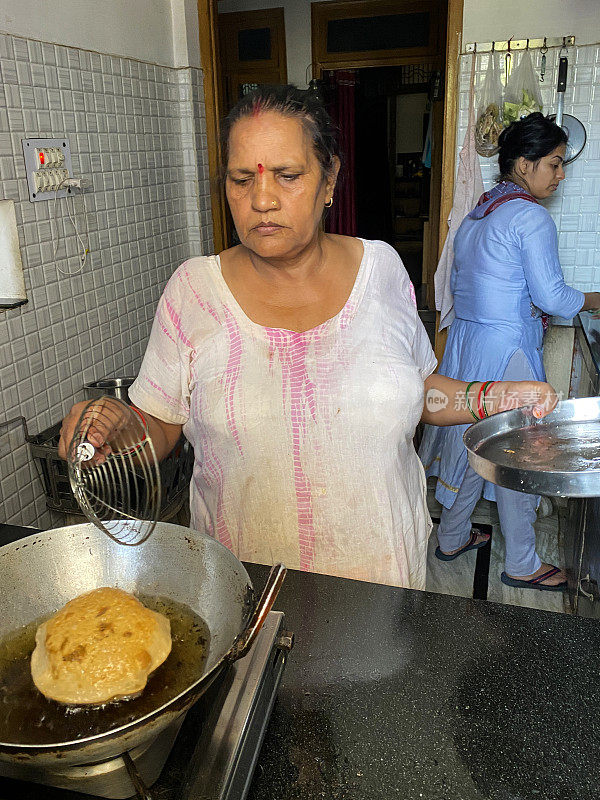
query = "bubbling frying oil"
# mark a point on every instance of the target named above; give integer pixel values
(27, 717)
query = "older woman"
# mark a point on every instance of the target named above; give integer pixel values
(506, 274)
(297, 366)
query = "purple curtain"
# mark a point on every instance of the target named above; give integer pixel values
(342, 215)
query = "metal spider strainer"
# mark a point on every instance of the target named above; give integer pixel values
(114, 472)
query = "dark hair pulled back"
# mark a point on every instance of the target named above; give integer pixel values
(532, 137)
(289, 101)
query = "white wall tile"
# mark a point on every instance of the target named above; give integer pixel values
(125, 122)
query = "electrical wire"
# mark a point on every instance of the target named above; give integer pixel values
(68, 183)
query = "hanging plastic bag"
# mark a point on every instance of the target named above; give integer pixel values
(522, 95)
(489, 111)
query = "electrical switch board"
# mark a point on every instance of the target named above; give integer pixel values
(47, 164)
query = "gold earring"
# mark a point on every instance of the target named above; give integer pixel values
(329, 203)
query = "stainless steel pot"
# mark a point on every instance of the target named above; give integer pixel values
(115, 387)
(41, 573)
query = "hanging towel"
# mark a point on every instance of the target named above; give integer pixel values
(468, 189)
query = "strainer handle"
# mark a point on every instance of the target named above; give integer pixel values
(246, 639)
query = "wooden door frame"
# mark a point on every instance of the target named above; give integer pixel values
(454, 28)
(209, 58)
(325, 11)
(209, 51)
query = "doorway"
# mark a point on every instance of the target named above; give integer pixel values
(446, 45)
(393, 162)
(402, 58)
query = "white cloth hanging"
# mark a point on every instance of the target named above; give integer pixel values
(467, 191)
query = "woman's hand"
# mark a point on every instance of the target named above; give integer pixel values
(591, 303)
(68, 428)
(104, 420)
(447, 401)
(506, 395)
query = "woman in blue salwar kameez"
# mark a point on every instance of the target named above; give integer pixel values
(506, 277)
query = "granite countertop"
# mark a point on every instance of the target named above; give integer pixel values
(393, 693)
(398, 693)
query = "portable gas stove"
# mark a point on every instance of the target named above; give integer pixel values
(209, 754)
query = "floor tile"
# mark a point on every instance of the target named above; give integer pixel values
(456, 577)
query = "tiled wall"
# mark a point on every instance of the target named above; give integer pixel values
(137, 132)
(576, 205)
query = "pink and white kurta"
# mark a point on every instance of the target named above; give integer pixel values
(303, 441)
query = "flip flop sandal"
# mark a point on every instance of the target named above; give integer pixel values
(535, 583)
(472, 544)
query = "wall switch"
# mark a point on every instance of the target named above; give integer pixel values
(47, 164)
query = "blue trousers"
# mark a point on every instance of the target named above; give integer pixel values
(516, 510)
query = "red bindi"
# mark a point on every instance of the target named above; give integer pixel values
(261, 169)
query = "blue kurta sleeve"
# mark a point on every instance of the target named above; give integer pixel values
(536, 231)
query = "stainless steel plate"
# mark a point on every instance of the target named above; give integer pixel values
(558, 455)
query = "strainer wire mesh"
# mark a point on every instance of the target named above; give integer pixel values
(120, 492)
